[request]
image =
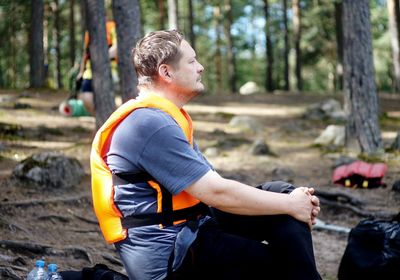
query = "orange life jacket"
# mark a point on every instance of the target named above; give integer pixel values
(107, 213)
(111, 36)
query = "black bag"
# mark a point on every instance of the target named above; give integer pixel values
(373, 251)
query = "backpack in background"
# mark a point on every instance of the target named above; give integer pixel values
(372, 251)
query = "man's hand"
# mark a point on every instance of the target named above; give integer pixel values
(315, 201)
(311, 217)
(301, 205)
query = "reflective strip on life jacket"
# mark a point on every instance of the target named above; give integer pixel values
(107, 213)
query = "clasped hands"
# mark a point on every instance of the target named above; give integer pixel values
(311, 207)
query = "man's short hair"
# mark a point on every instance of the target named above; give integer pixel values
(154, 49)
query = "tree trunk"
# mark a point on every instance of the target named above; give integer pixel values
(102, 84)
(286, 85)
(192, 37)
(36, 74)
(72, 45)
(218, 58)
(269, 86)
(173, 14)
(361, 101)
(161, 13)
(339, 43)
(127, 17)
(13, 48)
(393, 9)
(297, 39)
(230, 49)
(57, 39)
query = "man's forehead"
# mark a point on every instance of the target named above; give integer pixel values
(186, 49)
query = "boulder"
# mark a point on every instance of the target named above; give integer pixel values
(260, 147)
(328, 109)
(49, 170)
(332, 135)
(249, 88)
(246, 123)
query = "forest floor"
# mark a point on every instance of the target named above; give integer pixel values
(59, 226)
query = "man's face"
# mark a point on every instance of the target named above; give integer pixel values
(187, 71)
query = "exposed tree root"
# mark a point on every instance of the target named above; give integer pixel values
(9, 273)
(357, 210)
(43, 249)
(33, 202)
(340, 197)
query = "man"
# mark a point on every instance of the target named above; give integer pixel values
(151, 183)
(84, 76)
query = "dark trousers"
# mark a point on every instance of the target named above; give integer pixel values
(251, 247)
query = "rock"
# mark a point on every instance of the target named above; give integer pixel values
(260, 147)
(396, 186)
(211, 152)
(333, 134)
(396, 143)
(328, 109)
(49, 170)
(249, 88)
(283, 174)
(19, 105)
(246, 123)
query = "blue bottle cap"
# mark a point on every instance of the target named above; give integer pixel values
(52, 267)
(40, 263)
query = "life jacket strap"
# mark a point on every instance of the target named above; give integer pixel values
(167, 216)
(188, 214)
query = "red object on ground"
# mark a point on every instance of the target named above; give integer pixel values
(360, 174)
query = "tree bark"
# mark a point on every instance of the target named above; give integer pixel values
(394, 17)
(269, 86)
(173, 14)
(360, 97)
(102, 84)
(286, 85)
(192, 37)
(57, 39)
(36, 73)
(161, 12)
(229, 45)
(218, 58)
(127, 17)
(297, 39)
(72, 45)
(339, 43)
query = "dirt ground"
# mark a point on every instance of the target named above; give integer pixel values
(59, 226)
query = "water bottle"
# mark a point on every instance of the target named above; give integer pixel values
(53, 273)
(39, 272)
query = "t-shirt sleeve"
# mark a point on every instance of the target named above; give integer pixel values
(169, 159)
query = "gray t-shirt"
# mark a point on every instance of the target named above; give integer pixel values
(149, 140)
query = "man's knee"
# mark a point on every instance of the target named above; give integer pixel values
(277, 186)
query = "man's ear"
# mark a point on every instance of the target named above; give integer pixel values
(165, 72)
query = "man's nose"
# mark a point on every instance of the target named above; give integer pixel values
(201, 68)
